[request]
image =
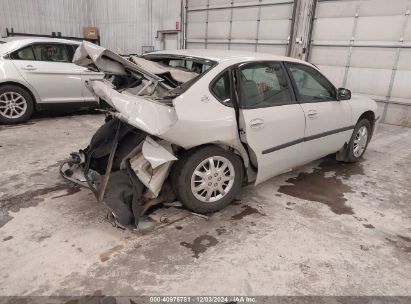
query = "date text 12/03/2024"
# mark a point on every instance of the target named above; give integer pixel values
(203, 299)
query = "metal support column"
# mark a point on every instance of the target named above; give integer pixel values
(231, 24)
(354, 32)
(206, 30)
(396, 58)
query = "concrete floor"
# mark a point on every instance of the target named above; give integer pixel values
(324, 229)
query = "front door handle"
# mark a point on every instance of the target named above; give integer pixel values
(29, 67)
(256, 123)
(312, 114)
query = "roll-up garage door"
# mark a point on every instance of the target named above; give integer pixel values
(365, 45)
(259, 25)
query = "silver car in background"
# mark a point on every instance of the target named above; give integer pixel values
(38, 74)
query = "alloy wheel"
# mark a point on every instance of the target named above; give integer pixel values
(12, 105)
(212, 179)
(360, 141)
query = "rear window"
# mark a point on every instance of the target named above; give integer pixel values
(186, 64)
(197, 65)
(25, 53)
(221, 88)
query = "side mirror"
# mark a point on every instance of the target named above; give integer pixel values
(343, 94)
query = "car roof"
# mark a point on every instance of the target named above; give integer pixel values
(30, 39)
(13, 43)
(226, 55)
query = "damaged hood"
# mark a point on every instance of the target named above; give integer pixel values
(97, 58)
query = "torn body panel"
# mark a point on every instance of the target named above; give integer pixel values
(95, 57)
(157, 153)
(118, 165)
(143, 113)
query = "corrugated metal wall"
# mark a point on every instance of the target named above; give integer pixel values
(128, 25)
(44, 16)
(125, 25)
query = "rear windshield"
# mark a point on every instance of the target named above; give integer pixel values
(198, 66)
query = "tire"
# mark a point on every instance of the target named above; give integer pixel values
(353, 153)
(20, 101)
(184, 181)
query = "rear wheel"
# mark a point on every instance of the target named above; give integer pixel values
(16, 104)
(207, 179)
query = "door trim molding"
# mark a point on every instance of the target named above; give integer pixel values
(312, 137)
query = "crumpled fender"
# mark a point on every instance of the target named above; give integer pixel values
(147, 115)
(157, 153)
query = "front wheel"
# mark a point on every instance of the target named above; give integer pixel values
(359, 141)
(207, 179)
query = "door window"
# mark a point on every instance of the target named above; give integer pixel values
(264, 85)
(51, 52)
(221, 88)
(25, 53)
(71, 50)
(311, 86)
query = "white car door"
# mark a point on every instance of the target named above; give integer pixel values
(87, 75)
(48, 68)
(272, 123)
(328, 121)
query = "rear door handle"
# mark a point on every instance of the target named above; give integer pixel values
(312, 114)
(256, 123)
(29, 68)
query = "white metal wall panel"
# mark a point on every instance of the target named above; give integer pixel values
(259, 25)
(123, 24)
(333, 29)
(365, 45)
(128, 25)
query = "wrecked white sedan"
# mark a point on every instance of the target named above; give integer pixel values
(196, 125)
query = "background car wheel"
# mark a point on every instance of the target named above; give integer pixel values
(16, 104)
(207, 179)
(359, 141)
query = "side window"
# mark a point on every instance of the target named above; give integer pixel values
(221, 88)
(71, 50)
(264, 85)
(51, 52)
(23, 54)
(311, 86)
